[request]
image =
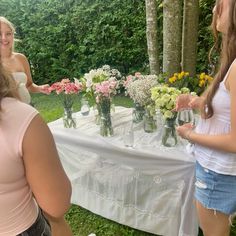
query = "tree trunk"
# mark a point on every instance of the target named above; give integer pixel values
(172, 25)
(152, 40)
(190, 36)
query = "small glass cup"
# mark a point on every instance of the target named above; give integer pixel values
(185, 116)
(84, 107)
(128, 135)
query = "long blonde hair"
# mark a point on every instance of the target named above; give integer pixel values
(8, 87)
(228, 54)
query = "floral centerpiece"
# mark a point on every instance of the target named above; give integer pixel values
(97, 76)
(196, 84)
(67, 91)
(94, 78)
(164, 98)
(104, 92)
(138, 89)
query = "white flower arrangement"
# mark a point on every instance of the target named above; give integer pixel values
(96, 77)
(165, 97)
(139, 89)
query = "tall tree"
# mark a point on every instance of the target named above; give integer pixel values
(172, 34)
(190, 36)
(152, 39)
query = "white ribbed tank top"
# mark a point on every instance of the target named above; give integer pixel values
(215, 160)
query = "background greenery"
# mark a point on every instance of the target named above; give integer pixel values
(68, 38)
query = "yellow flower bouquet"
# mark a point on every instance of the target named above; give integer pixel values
(196, 84)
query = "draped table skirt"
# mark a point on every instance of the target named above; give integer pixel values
(148, 187)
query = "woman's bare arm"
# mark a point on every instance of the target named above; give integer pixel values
(44, 172)
(224, 142)
(31, 86)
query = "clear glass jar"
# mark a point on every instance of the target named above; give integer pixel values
(69, 120)
(84, 107)
(150, 122)
(106, 125)
(106, 128)
(169, 137)
(138, 113)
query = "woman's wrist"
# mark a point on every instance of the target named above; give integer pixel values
(188, 134)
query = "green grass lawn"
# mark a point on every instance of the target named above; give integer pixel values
(82, 221)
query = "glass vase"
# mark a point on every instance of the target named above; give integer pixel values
(68, 119)
(97, 113)
(150, 123)
(138, 113)
(106, 128)
(169, 137)
(84, 107)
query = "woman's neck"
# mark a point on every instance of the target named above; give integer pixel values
(5, 55)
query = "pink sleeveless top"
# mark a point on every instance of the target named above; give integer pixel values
(219, 161)
(18, 209)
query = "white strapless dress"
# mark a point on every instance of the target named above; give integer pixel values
(21, 80)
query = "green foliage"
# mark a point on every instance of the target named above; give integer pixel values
(68, 38)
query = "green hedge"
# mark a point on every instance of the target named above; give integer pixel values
(68, 38)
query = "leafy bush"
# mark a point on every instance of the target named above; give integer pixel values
(68, 38)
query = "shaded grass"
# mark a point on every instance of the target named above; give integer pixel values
(82, 221)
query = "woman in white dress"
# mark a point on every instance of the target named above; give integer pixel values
(17, 63)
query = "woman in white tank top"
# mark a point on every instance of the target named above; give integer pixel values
(17, 63)
(215, 134)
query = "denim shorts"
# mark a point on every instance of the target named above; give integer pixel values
(40, 227)
(215, 191)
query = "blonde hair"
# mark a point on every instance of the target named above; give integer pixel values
(11, 26)
(7, 22)
(8, 86)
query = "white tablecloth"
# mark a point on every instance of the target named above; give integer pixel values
(148, 187)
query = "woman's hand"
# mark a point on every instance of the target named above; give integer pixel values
(195, 102)
(185, 130)
(182, 102)
(44, 89)
(186, 101)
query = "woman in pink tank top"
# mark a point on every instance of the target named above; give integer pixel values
(33, 182)
(215, 134)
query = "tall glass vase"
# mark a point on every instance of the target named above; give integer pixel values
(138, 113)
(68, 119)
(97, 113)
(106, 128)
(169, 137)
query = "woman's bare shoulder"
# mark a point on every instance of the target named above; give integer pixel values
(21, 59)
(19, 56)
